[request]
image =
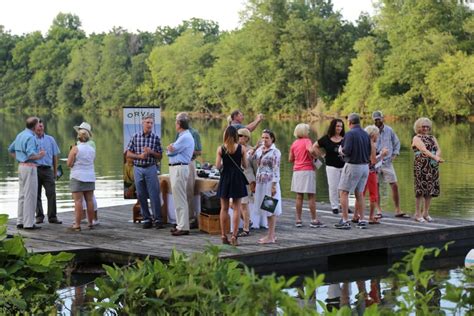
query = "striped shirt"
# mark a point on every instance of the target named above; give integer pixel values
(137, 144)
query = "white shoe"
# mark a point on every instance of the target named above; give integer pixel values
(95, 222)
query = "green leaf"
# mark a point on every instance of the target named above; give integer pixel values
(14, 246)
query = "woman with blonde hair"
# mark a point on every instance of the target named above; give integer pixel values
(82, 178)
(304, 175)
(425, 168)
(232, 183)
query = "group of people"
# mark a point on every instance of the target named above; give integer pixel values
(37, 155)
(355, 161)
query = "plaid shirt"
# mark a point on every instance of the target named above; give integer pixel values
(138, 142)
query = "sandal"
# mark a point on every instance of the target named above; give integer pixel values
(264, 240)
(402, 215)
(378, 216)
(355, 220)
(74, 229)
(244, 233)
(225, 241)
(374, 221)
(428, 218)
(420, 220)
(233, 241)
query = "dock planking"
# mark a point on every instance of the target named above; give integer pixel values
(118, 239)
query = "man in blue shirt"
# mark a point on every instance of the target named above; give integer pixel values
(180, 154)
(145, 150)
(26, 151)
(356, 151)
(388, 139)
(47, 174)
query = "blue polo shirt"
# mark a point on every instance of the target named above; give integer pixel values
(48, 143)
(24, 146)
(356, 146)
(183, 148)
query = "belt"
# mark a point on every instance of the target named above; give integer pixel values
(145, 166)
(178, 164)
(44, 167)
(29, 164)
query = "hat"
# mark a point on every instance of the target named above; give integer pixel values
(244, 131)
(377, 115)
(85, 126)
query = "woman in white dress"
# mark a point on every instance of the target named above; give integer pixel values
(268, 180)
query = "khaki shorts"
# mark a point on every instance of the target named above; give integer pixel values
(387, 173)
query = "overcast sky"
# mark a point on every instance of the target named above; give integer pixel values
(26, 16)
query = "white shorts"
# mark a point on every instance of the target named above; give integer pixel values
(387, 173)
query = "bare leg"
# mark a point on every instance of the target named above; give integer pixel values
(224, 216)
(419, 200)
(236, 216)
(77, 196)
(360, 204)
(90, 206)
(312, 206)
(299, 206)
(344, 200)
(245, 216)
(396, 197)
(426, 210)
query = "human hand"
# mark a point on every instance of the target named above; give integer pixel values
(384, 152)
(273, 189)
(42, 152)
(439, 159)
(260, 117)
(170, 148)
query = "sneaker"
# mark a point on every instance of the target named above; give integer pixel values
(299, 224)
(317, 224)
(335, 211)
(95, 222)
(343, 224)
(362, 225)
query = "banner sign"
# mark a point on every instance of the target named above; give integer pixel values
(132, 124)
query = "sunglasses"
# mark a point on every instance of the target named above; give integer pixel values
(266, 131)
(242, 135)
(426, 126)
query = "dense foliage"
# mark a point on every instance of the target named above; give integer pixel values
(28, 282)
(413, 57)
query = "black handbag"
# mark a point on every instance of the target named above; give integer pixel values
(269, 204)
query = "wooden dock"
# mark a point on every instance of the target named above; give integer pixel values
(119, 240)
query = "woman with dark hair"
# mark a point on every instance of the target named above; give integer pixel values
(268, 180)
(232, 184)
(334, 163)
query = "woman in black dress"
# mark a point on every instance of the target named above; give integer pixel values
(426, 168)
(232, 184)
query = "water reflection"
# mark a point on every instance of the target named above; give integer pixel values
(456, 141)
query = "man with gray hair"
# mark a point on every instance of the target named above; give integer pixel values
(388, 139)
(180, 154)
(26, 150)
(356, 151)
(145, 150)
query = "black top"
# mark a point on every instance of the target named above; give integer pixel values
(356, 146)
(332, 158)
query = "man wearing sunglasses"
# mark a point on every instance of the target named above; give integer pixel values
(388, 139)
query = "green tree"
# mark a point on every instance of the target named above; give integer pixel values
(451, 83)
(177, 71)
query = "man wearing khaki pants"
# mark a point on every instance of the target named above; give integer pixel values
(180, 154)
(26, 151)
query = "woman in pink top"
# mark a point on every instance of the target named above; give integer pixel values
(304, 176)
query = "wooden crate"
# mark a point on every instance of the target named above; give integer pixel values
(210, 224)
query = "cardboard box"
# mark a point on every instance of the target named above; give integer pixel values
(210, 224)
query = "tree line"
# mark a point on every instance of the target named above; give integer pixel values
(413, 57)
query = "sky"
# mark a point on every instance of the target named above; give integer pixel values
(26, 16)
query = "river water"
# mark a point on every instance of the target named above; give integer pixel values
(456, 142)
